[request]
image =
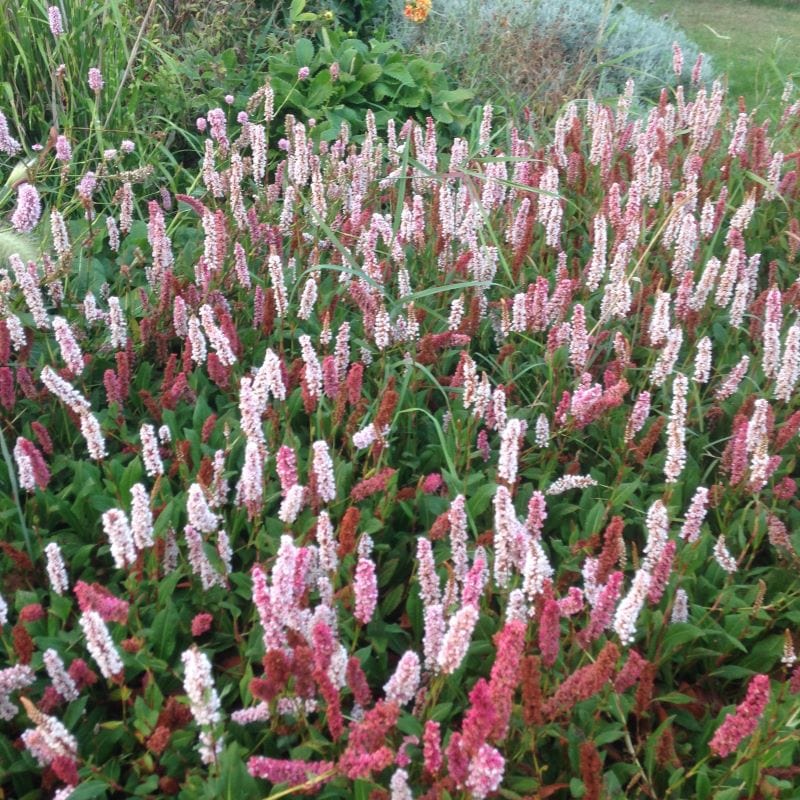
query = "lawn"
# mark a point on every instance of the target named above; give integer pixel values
(756, 44)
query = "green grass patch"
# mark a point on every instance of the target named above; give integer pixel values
(757, 44)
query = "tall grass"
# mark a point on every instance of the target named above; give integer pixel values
(45, 91)
(100, 35)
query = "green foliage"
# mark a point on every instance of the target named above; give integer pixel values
(234, 54)
(45, 92)
(349, 77)
(207, 52)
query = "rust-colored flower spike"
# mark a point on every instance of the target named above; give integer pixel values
(591, 771)
(789, 658)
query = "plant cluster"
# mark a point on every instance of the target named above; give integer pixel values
(323, 73)
(391, 469)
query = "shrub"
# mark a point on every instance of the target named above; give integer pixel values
(348, 77)
(629, 44)
(207, 63)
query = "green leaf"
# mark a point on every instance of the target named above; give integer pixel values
(479, 502)
(235, 782)
(452, 96)
(679, 634)
(321, 90)
(411, 98)
(652, 744)
(441, 712)
(702, 785)
(147, 787)
(163, 632)
(75, 711)
(304, 52)
(594, 519)
(399, 72)
(369, 73)
(729, 794)
(441, 114)
(166, 588)
(576, 787)
(732, 672)
(296, 8)
(362, 790)
(609, 735)
(410, 725)
(88, 790)
(623, 493)
(392, 599)
(676, 698)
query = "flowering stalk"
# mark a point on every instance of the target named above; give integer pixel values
(199, 686)
(744, 721)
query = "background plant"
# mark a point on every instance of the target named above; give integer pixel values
(538, 54)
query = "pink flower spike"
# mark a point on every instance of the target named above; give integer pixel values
(432, 483)
(96, 598)
(54, 18)
(431, 747)
(485, 772)
(100, 645)
(95, 80)
(322, 466)
(457, 639)
(204, 701)
(366, 590)
(677, 59)
(31, 466)
(63, 149)
(550, 632)
(8, 144)
(28, 210)
(201, 624)
(744, 721)
(291, 771)
(56, 570)
(118, 531)
(510, 643)
(403, 684)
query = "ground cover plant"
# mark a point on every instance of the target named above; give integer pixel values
(392, 469)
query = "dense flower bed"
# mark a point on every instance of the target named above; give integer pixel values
(384, 470)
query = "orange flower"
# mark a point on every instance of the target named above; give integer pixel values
(418, 10)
